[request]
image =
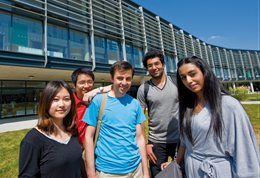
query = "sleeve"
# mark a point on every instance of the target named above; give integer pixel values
(29, 160)
(81, 131)
(241, 142)
(91, 114)
(140, 96)
(140, 115)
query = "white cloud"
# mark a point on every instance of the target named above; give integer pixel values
(215, 37)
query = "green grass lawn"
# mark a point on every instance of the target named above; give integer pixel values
(9, 144)
(253, 112)
(10, 141)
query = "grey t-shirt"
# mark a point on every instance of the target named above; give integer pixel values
(163, 106)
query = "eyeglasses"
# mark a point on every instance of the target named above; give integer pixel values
(83, 82)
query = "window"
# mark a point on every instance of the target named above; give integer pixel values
(218, 72)
(79, 46)
(27, 35)
(134, 56)
(226, 74)
(5, 26)
(113, 51)
(13, 98)
(100, 50)
(170, 63)
(57, 41)
(106, 50)
(20, 98)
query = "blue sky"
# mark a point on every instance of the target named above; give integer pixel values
(232, 24)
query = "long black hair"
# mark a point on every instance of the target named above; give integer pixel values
(212, 92)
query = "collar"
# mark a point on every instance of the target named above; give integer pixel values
(77, 100)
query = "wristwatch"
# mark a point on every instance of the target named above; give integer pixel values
(101, 89)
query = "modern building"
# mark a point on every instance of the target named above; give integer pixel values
(43, 40)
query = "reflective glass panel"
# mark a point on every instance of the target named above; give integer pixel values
(5, 27)
(32, 100)
(134, 56)
(113, 51)
(27, 35)
(79, 46)
(57, 41)
(13, 102)
(100, 50)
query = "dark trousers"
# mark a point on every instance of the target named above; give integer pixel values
(162, 151)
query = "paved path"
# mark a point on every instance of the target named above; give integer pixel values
(20, 123)
(250, 102)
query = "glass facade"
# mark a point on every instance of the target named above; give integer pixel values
(27, 35)
(170, 63)
(134, 55)
(20, 98)
(107, 51)
(5, 31)
(66, 34)
(57, 41)
(20, 34)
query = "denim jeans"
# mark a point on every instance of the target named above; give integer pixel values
(162, 151)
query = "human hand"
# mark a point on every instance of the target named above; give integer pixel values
(150, 153)
(92, 176)
(164, 165)
(146, 176)
(87, 98)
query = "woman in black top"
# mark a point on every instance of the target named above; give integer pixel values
(51, 149)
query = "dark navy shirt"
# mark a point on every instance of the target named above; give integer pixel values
(43, 157)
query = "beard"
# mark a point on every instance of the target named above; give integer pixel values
(158, 76)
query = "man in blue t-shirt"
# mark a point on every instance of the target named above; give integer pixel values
(120, 149)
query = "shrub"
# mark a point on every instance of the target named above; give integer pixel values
(239, 93)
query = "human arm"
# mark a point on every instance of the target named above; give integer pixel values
(240, 140)
(180, 155)
(148, 146)
(141, 98)
(29, 159)
(179, 158)
(89, 95)
(89, 150)
(140, 139)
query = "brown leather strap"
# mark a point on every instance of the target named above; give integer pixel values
(100, 114)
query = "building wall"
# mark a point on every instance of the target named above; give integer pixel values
(44, 36)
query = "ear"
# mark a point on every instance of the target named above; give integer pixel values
(112, 79)
(164, 64)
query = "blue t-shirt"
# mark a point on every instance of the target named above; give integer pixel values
(117, 151)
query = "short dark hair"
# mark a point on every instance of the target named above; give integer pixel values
(121, 66)
(45, 122)
(152, 54)
(83, 70)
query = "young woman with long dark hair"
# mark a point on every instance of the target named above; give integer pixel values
(217, 138)
(51, 149)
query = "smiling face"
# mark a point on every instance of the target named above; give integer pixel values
(192, 77)
(155, 67)
(122, 81)
(84, 84)
(60, 105)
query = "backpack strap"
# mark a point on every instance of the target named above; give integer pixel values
(100, 114)
(146, 89)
